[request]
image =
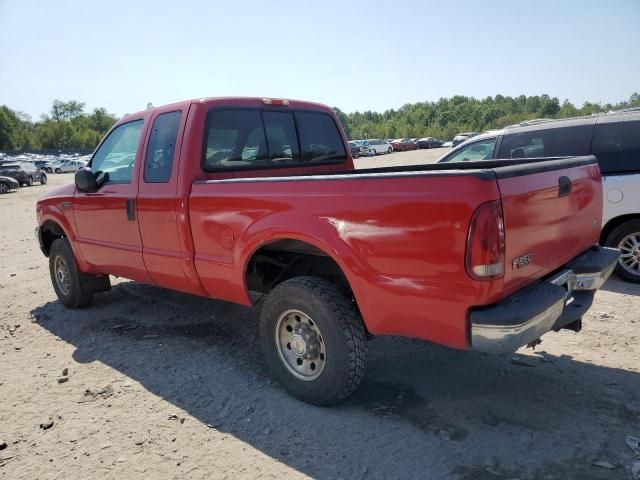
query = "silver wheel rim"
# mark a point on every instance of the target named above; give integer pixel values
(3, 188)
(61, 272)
(630, 249)
(300, 345)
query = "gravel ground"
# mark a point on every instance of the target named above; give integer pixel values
(148, 383)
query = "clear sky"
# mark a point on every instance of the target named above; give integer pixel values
(355, 55)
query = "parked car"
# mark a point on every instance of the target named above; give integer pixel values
(355, 149)
(68, 166)
(453, 254)
(403, 144)
(447, 144)
(26, 173)
(429, 142)
(45, 165)
(379, 146)
(462, 137)
(364, 147)
(8, 184)
(614, 139)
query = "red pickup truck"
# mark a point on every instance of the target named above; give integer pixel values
(256, 200)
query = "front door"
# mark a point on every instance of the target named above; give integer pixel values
(106, 220)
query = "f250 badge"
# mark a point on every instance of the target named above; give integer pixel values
(522, 261)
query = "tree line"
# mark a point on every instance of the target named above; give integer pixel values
(68, 126)
(449, 116)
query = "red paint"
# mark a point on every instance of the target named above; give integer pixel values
(400, 241)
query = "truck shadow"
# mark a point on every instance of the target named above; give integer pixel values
(423, 411)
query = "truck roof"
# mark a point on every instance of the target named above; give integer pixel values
(241, 101)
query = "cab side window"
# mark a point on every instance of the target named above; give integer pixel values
(117, 154)
(474, 152)
(161, 149)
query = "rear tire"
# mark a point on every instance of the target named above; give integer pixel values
(43, 179)
(65, 276)
(313, 340)
(389, 151)
(4, 188)
(30, 181)
(626, 238)
(58, 170)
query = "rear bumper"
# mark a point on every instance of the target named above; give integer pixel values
(548, 304)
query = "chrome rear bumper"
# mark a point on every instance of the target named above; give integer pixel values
(548, 304)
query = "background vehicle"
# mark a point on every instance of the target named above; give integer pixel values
(68, 166)
(355, 149)
(364, 147)
(403, 144)
(614, 139)
(378, 146)
(8, 184)
(429, 142)
(26, 173)
(45, 165)
(448, 144)
(240, 199)
(462, 137)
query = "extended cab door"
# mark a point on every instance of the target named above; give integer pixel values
(106, 220)
(160, 208)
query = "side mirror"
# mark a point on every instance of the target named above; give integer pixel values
(86, 180)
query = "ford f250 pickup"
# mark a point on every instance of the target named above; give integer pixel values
(256, 200)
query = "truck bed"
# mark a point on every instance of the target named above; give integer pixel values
(399, 234)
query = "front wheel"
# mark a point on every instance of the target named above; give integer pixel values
(30, 181)
(58, 170)
(65, 276)
(626, 238)
(4, 188)
(313, 340)
(43, 179)
(390, 150)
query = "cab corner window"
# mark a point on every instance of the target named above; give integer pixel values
(117, 153)
(161, 149)
(320, 140)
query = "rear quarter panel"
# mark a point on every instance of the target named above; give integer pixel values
(399, 240)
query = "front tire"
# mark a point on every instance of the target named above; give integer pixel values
(626, 238)
(65, 276)
(43, 179)
(389, 151)
(313, 340)
(58, 170)
(4, 188)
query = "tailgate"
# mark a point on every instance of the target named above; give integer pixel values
(552, 212)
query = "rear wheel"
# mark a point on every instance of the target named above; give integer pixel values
(390, 150)
(4, 188)
(356, 155)
(313, 340)
(58, 170)
(43, 179)
(65, 276)
(626, 238)
(30, 181)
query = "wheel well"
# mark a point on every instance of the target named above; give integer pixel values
(615, 223)
(281, 260)
(49, 232)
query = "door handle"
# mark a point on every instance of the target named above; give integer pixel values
(564, 186)
(131, 211)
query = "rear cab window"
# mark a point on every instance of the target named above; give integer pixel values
(253, 138)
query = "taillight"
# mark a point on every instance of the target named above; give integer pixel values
(485, 243)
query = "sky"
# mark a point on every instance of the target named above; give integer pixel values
(355, 55)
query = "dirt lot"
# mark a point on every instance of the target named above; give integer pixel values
(165, 385)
